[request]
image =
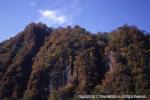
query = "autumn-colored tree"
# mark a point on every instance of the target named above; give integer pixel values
(42, 63)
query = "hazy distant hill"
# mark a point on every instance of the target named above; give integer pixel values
(42, 63)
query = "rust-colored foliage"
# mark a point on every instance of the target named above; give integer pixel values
(42, 63)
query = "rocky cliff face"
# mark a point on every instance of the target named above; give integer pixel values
(42, 63)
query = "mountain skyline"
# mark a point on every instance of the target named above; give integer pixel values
(44, 63)
(97, 15)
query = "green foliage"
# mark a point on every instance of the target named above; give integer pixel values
(130, 73)
(54, 95)
(67, 92)
(43, 63)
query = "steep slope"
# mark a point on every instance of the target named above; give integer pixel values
(128, 58)
(70, 61)
(16, 59)
(42, 63)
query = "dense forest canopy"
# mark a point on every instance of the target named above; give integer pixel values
(42, 63)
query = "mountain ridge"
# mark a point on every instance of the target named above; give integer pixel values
(42, 63)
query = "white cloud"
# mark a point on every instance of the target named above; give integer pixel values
(63, 15)
(52, 16)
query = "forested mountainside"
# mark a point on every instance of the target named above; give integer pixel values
(42, 63)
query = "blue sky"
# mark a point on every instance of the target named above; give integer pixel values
(94, 15)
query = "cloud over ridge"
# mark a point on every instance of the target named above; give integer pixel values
(52, 16)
